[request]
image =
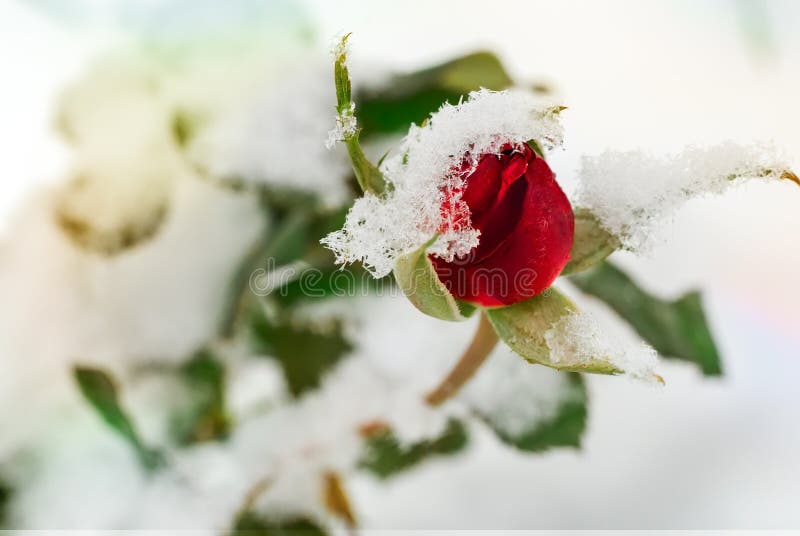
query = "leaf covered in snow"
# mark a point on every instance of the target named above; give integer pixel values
(631, 192)
(305, 354)
(549, 330)
(675, 328)
(529, 408)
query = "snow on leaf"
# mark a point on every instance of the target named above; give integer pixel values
(529, 408)
(675, 328)
(549, 330)
(305, 354)
(632, 192)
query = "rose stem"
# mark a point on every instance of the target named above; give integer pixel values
(479, 349)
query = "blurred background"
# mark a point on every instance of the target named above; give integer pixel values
(699, 453)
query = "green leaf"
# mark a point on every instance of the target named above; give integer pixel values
(592, 243)
(290, 239)
(332, 282)
(100, 390)
(676, 329)
(420, 284)
(293, 234)
(253, 524)
(522, 327)
(305, 354)
(564, 428)
(206, 418)
(410, 98)
(385, 456)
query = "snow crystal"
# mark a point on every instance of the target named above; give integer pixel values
(632, 191)
(427, 169)
(346, 126)
(579, 339)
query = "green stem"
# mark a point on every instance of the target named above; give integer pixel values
(369, 177)
(479, 349)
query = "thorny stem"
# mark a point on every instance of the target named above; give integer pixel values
(479, 349)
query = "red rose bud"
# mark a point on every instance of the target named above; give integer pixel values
(526, 225)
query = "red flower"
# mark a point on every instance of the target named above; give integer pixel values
(526, 225)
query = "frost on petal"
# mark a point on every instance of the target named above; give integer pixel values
(578, 339)
(631, 192)
(429, 167)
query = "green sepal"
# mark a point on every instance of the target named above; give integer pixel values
(522, 327)
(5, 499)
(417, 279)
(592, 243)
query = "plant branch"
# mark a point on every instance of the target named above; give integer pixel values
(479, 349)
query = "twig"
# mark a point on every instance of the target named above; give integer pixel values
(479, 349)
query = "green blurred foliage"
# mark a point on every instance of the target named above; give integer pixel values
(305, 354)
(100, 390)
(206, 417)
(410, 98)
(385, 456)
(5, 498)
(564, 429)
(253, 524)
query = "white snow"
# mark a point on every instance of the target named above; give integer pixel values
(278, 138)
(579, 338)
(346, 126)
(515, 395)
(632, 192)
